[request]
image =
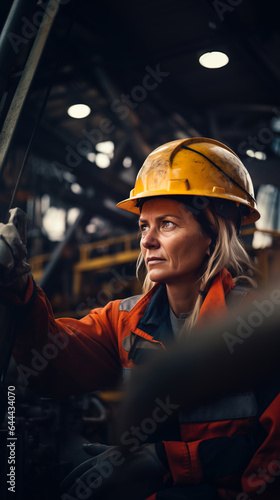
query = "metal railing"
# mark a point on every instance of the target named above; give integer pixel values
(96, 256)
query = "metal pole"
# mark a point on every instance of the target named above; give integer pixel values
(25, 82)
(8, 53)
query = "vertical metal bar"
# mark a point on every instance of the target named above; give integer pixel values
(11, 27)
(25, 82)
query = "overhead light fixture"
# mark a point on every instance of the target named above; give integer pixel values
(213, 60)
(102, 160)
(91, 157)
(259, 155)
(53, 223)
(76, 188)
(250, 153)
(91, 228)
(45, 202)
(72, 215)
(79, 111)
(127, 162)
(106, 147)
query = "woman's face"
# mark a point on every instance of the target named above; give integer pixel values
(172, 242)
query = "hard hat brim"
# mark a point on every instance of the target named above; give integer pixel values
(130, 204)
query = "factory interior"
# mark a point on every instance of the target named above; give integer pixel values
(87, 90)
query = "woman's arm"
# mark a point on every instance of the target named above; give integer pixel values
(64, 356)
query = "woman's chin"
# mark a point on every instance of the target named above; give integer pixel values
(156, 277)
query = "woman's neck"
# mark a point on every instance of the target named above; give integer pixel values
(182, 297)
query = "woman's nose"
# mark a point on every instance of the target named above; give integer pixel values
(149, 240)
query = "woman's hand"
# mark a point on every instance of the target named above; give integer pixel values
(13, 265)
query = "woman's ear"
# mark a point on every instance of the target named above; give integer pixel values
(209, 249)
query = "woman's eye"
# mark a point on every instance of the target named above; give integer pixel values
(143, 227)
(168, 224)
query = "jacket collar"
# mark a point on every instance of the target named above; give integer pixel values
(156, 320)
(150, 318)
(214, 305)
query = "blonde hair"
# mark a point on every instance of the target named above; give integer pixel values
(228, 253)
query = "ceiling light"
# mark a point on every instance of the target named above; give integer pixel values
(72, 215)
(76, 188)
(127, 162)
(250, 153)
(79, 111)
(45, 202)
(68, 176)
(213, 59)
(53, 223)
(260, 155)
(91, 157)
(106, 147)
(91, 228)
(102, 160)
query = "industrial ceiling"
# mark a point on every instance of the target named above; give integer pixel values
(136, 65)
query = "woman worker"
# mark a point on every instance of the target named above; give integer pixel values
(192, 196)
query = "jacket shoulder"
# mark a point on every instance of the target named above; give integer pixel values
(236, 295)
(128, 303)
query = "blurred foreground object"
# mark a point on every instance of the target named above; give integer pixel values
(227, 357)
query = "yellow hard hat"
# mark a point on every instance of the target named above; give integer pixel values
(198, 167)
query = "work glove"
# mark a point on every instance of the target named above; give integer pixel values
(110, 467)
(13, 248)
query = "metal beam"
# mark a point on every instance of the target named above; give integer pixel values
(128, 123)
(141, 148)
(51, 143)
(24, 84)
(95, 206)
(12, 27)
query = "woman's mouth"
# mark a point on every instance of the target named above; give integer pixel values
(154, 260)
